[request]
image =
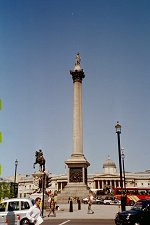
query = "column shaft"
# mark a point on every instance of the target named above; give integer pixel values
(77, 120)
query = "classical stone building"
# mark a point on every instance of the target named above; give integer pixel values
(108, 177)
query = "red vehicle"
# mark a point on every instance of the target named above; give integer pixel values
(133, 194)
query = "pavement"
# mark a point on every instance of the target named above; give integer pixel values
(100, 212)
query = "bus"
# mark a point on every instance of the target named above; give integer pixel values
(133, 194)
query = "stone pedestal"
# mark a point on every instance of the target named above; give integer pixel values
(38, 186)
(77, 167)
(77, 180)
(37, 181)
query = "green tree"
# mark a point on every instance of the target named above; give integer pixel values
(7, 190)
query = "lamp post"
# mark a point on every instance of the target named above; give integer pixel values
(118, 131)
(16, 164)
(123, 167)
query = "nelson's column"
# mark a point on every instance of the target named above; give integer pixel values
(77, 163)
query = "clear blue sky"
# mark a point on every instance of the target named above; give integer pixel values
(39, 40)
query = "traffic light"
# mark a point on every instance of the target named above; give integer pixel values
(48, 181)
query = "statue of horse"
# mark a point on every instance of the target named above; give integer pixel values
(39, 158)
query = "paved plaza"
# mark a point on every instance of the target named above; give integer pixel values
(100, 212)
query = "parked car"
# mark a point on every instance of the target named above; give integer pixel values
(95, 201)
(13, 211)
(139, 214)
(109, 200)
(117, 202)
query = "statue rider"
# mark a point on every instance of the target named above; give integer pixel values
(40, 159)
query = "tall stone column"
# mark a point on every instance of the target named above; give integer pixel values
(77, 163)
(77, 76)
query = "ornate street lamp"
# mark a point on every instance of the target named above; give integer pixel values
(118, 131)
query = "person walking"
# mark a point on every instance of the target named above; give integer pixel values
(90, 200)
(55, 200)
(34, 213)
(52, 207)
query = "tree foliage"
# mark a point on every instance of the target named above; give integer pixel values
(7, 190)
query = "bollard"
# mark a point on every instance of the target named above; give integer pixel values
(71, 206)
(79, 204)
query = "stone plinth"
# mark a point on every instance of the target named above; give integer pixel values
(73, 191)
(77, 180)
(37, 180)
(38, 186)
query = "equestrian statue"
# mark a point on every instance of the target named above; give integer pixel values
(39, 159)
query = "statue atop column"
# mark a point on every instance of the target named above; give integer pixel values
(77, 72)
(78, 59)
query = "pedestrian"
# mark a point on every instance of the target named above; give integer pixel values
(55, 200)
(34, 213)
(90, 200)
(69, 199)
(49, 199)
(52, 207)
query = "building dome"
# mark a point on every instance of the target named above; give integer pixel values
(109, 166)
(109, 163)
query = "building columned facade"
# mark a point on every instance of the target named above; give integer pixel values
(109, 177)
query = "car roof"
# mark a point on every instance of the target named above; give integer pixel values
(16, 199)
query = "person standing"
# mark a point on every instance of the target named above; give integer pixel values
(90, 200)
(34, 213)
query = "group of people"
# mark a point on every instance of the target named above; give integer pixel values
(34, 213)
